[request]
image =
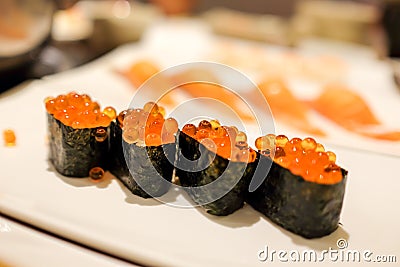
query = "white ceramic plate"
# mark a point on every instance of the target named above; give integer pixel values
(23, 246)
(108, 217)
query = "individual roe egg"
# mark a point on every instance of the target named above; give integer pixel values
(263, 143)
(308, 144)
(162, 111)
(279, 152)
(189, 129)
(151, 107)
(204, 124)
(167, 138)
(293, 147)
(110, 112)
(202, 133)
(100, 134)
(96, 173)
(121, 117)
(9, 137)
(241, 137)
(320, 148)
(215, 124)
(331, 156)
(281, 140)
(153, 139)
(130, 135)
(171, 125)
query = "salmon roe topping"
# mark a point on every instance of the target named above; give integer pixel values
(9, 137)
(79, 111)
(226, 141)
(305, 158)
(96, 173)
(147, 126)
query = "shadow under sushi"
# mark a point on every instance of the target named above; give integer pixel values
(131, 198)
(243, 217)
(82, 182)
(248, 216)
(318, 244)
(322, 243)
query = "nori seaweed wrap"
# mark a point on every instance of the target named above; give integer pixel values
(78, 134)
(145, 170)
(216, 183)
(143, 150)
(117, 164)
(74, 152)
(307, 208)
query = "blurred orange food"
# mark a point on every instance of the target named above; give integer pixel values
(349, 110)
(344, 107)
(286, 107)
(219, 93)
(193, 83)
(140, 72)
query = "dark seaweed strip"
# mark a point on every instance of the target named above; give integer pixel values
(145, 171)
(73, 152)
(304, 208)
(195, 169)
(117, 164)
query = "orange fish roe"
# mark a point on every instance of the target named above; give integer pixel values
(147, 126)
(9, 137)
(226, 141)
(96, 173)
(79, 111)
(110, 112)
(305, 158)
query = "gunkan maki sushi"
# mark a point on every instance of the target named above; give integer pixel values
(78, 134)
(215, 165)
(143, 150)
(304, 189)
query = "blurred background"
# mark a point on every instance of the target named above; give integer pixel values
(42, 37)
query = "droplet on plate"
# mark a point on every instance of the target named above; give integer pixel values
(9, 137)
(96, 173)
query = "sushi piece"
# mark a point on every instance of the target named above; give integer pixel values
(78, 134)
(304, 189)
(215, 165)
(143, 150)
